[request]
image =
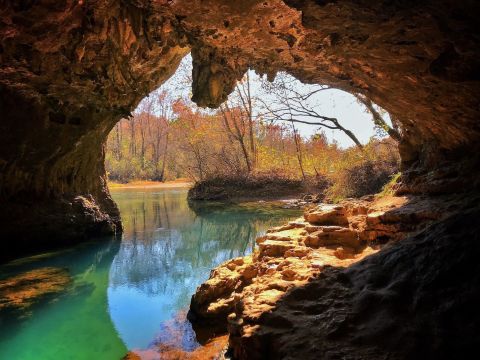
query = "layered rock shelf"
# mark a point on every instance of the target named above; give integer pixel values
(251, 297)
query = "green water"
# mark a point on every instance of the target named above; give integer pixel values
(130, 294)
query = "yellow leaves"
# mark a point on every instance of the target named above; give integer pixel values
(202, 142)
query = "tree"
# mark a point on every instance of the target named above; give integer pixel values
(160, 132)
(133, 143)
(244, 93)
(298, 148)
(117, 149)
(238, 119)
(169, 137)
(234, 118)
(378, 120)
(291, 103)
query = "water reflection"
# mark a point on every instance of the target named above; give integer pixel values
(100, 299)
(167, 251)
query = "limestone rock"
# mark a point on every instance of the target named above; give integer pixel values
(347, 313)
(274, 248)
(327, 215)
(297, 279)
(337, 236)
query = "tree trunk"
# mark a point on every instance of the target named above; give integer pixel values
(378, 120)
(298, 151)
(133, 148)
(250, 124)
(165, 151)
(118, 145)
(237, 135)
(351, 135)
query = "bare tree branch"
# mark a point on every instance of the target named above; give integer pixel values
(377, 118)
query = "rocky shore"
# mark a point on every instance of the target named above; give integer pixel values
(297, 286)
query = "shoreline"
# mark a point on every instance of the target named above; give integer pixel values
(263, 300)
(179, 184)
(292, 200)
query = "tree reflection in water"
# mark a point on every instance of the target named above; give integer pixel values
(168, 250)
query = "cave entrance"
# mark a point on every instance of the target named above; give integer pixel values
(72, 72)
(282, 128)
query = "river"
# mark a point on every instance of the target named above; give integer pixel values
(114, 294)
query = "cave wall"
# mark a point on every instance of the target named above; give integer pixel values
(69, 70)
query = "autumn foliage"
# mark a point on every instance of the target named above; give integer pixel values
(169, 139)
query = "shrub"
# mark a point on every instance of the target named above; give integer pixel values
(259, 185)
(390, 187)
(367, 174)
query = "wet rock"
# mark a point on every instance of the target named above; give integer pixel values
(19, 293)
(212, 350)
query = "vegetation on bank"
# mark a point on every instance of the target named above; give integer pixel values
(355, 175)
(253, 186)
(390, 187)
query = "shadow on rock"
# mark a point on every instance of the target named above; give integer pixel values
(413, 298)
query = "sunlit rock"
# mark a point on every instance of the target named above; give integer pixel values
(271, 298)
(327, 215)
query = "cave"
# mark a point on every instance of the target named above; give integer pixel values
(70, 70)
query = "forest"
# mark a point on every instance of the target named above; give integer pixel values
(253, 135)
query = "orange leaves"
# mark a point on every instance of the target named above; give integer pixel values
(204, 144)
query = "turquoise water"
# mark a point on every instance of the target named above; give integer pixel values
(130, 293)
